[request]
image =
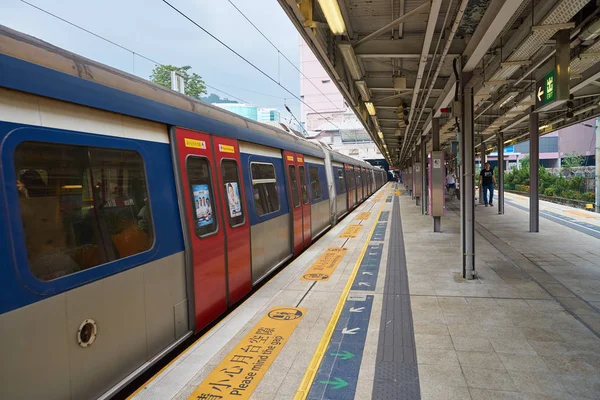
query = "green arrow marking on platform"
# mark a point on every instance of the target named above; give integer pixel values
(337, 383)
(346, 355)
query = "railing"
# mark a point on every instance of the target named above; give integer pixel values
(558, 200)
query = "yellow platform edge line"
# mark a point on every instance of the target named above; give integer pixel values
(315, 362)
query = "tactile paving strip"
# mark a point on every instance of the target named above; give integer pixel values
(396, 371)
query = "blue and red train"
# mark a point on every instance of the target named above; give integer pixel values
(134, 216)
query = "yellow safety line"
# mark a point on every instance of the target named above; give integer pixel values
(147, 383)
(313, 366)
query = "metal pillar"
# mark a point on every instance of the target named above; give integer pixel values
(435, 146)
(424, 200)
(534, 162)
(482, 162)
(467, 184)
(500, 200)
(598, 165)
(418, 175)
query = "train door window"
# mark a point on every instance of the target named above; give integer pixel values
(203, 200)
(264, 185)
(341, 180)
(81, 206)
(294, 185)
(233, 191)
(315, 183)
(303, 187)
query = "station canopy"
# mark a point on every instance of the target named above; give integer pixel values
(394, 63)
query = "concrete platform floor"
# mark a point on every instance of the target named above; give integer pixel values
(527, 328)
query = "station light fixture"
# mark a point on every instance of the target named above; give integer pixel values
(363, 90)
(380, 134)
(370, 107)
(350, 58)
(333, 15)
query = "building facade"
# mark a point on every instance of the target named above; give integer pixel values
(252, 112)
(326, 116)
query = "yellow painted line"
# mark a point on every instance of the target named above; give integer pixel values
(313, 366)
(322, 269)
(397, 193)
(238, 375)
(351, 231)
(363, 215)
(583, 214)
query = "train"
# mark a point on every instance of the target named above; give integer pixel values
(135, 216)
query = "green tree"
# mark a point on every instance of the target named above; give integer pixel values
(570, 162)
(193, 83)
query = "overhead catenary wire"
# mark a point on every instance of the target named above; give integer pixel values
(140, 55)
(269, 77)
(279, 52)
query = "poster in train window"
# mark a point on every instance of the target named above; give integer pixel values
(202, 205)
(233, 198)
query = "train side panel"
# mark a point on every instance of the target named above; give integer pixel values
(137, 302)
(268, 208)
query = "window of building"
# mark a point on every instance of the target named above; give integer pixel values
(294, 185)
(264, 186)
(303, 187)
(203, 199)
(233, 191)
(81, 206)
(315, 183)
(341, 180)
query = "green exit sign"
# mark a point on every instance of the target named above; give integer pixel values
(545, 92)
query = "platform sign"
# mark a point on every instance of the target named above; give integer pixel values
(351, 231)
(325, 265)
(238, 375)
(545, 90)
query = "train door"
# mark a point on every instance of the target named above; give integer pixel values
(305, 200)
(205, 241)
(294, 196)
(236, 225)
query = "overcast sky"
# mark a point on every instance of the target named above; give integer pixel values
(153, 29)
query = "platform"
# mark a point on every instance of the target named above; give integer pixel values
(395, 320)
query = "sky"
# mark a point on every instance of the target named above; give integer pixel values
(152, 29)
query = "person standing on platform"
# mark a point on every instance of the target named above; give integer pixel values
(487, 179)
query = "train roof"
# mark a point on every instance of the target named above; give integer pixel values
(31, 65)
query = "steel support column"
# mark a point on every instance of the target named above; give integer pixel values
(424, 199)
(598, 165)
(418, 175)
(467, 184)
(534, 162)
(500, 145)
(435, 146)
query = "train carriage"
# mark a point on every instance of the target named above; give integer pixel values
(136, 216)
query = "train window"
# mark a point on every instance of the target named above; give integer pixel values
(303, 187)
(315, 183)
(264, 185)
(294, 185)
(81, 206)
(341, 180)
(233, 191)
(203, 200)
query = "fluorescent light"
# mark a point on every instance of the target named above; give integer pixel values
(350, 59)
(370, 107)
(364, 90)
(508, 98)
(333, 15)
(380, 134)
(71, 187)
(541, 128)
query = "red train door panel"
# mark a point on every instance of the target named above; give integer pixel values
(236, 224)
(206, 238)
(294, 191)
(305, 200)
